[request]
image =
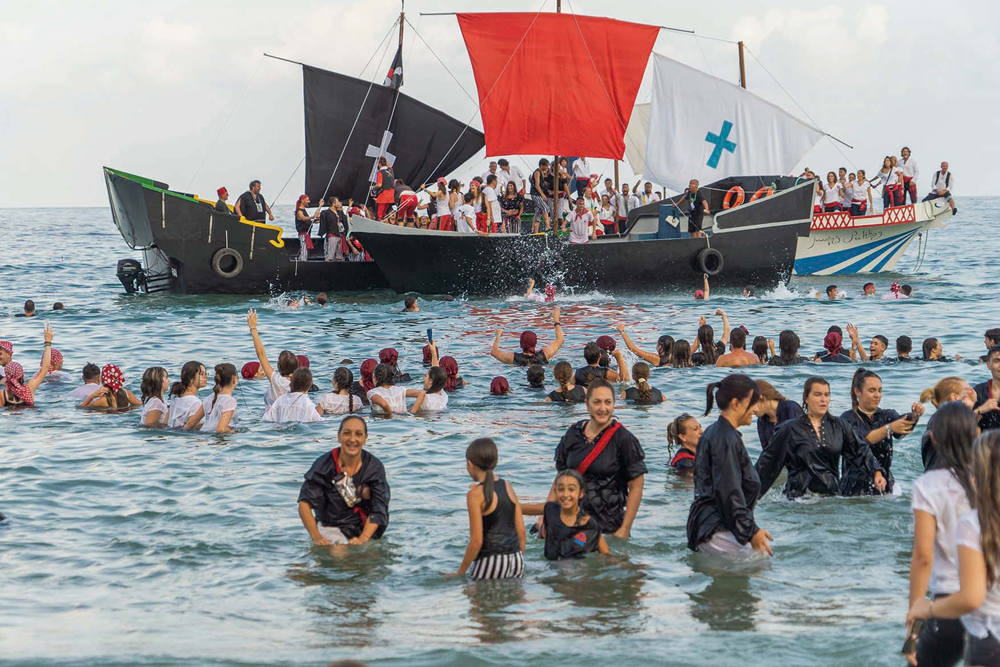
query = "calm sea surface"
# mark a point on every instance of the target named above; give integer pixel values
(128, 546)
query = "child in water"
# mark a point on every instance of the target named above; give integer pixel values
(569, 533)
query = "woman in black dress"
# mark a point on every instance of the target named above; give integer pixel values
(726, 487)
(609, 458)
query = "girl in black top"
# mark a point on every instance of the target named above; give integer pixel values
(610, 459)
(683, 432)
(530, 354)
(726, 486)
(874, 425)
(814, 447)
(347, 490)
(569, 532)
(642, 393)
(772, 410)
(708, 349)
(568, 391)
(496, 527)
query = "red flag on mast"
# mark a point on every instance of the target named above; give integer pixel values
(556, 83)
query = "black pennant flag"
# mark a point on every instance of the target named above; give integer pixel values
(394, 79)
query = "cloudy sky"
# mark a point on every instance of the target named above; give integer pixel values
(161, 89)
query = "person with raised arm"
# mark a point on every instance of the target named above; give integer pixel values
(18, 392)
(664, 346)
(280, 379)
(529, 354)
(706, 349)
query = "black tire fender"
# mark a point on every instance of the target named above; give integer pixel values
(221, 256)
(710, 261)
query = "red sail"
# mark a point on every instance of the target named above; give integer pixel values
(556, 83)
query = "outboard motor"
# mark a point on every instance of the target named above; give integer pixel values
(131, 275)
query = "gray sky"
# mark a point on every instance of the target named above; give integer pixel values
(147, 87)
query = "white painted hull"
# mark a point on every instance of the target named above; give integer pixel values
(838, 243)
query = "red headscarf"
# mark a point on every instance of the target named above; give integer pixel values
(499, 386)
(302, 198)
(249, 370)
(528, 342)
(7, 346)
(832, 343)
(550, 292)
(303, 360)
(427, 355)
(450, 367)
(368, 374)
(606, 343)
(55, 360)
(15, 383)
(388, 355)
(113, 377)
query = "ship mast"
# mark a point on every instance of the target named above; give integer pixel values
(555, 161)
(743, 69)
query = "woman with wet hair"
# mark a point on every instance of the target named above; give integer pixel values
(568, 391)
(664, 347)
(386, 397)
(294, 405)
(934, 351)
(642, 393)
(154, 386)
(112, 393)
(726, 487)
(706, 349)
(680, 354)
(536, 377)
(683, 432)
(788, 350)
(186, 402)
(815, 447)
(946, 390)
(280, 379)
(772, 410)
(341, 401)
(433, 398)
(390, 357)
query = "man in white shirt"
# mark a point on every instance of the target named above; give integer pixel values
(609, 190)
(580, 223)
(467, 216)
(910, 174)
(581, 175)
(648, 196)
(491, 170)
(624, 203)
(91, 383)
(507, 174)
(942, 186)
(493, 215)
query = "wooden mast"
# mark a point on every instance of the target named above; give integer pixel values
(555, 163)
(743, 69)
(402, 19)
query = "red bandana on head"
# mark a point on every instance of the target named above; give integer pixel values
(57, 359)
(14, 373)
(113, 377)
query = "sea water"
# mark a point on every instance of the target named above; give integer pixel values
(132, 546)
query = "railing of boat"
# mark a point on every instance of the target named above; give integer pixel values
(842, 220)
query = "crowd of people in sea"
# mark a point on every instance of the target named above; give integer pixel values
(565, 198)
(597, 489)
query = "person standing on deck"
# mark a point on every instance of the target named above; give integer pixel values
(251, 204)
(303, 226)
(697, 209)
(541, 193)
(383, 190)
(509, 174)
(941, 187)
(648, 196)
(910, 174)
(220, 205)
(624, 203)
(581, 175)
(492, 170)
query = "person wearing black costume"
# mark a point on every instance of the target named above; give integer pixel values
(988, 392)
(726, 487)
(594, 370)
(874, 425)
(684, 432)
(814, 447)
(788, 350)
(569, 532)
(772, 410)
(251, 204)
(529, 354)
(333, 228)
(220, 205)
(664, 346)
(696, 207)
(609, 458)
(568, 391)
(946, 390)
(345, 496)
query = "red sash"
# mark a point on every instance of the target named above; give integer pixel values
(357, 508)
(598, 448)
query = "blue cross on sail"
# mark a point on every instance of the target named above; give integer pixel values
(706, 128)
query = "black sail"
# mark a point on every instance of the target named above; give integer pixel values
(422, 137)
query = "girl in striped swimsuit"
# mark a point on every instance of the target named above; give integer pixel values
(496, 527)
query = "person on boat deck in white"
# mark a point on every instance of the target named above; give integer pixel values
(494, 216)
(387, 398)
(889, 179)
(581, 223)
(942, 186)
(509, 174)
(251, 204)
(846, 180)
(491, 171)
(466, 216)
(624, 203)
(581, 175)
(279, 379)
(648, 195)
(910, 173)
(294, 406)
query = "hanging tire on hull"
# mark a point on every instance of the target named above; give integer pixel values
(710, 261)
(227, 263)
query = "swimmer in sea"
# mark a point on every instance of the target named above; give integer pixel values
(664, 346)
(529, 354)
(904, 346)
(532, 295)
(499, 386)
(410, 305)
(593, 370)
(987, 393)
(683, 432)
(569, 532)
(876, 348)
(738, 355)
(868, 289)
(934, 351)
(642, 393)
(788, 350)
(568, 391)
(710, 349)
(832, 293)
(536, 377)
(703, 294)
(155, 384)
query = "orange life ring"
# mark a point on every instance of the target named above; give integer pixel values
(762, 193)
(740, 197)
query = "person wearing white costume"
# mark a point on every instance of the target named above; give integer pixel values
(942, 186)
(295, 406)
(279, 379)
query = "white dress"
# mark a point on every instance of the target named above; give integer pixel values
(153, 404)
(435, 402)
(394, 396)
(214, 409)
(291, 407)
(278, 385)
(182, 409)
(336, 404)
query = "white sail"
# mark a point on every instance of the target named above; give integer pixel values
(706, 128)
(635, 138)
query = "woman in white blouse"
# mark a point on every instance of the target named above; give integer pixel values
(155, 383)
(294, 405)
(341, 401)
(218, 410)
(287, 364)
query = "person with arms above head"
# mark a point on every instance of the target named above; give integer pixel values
(91, 382)
(988, 393)
(280, 379)
(16, 391)
(510, 174)
(494, 215)
(610, 459)
(977, 600)
(541, 196)
(220, 204)
(581, 175)
(625, 202)
(706, 349)
(383, 190)
(991, 338)
(303, 226)
(29, 309)
(876, 349)
(664, 345)
(788, 350)
(726, 486)
(939, 498)
(251, 205)
(942, 186)
(877, 426)
(581, 223)
(904, 346)
(530, 354)
(738, 356)
(814, 448)
(910, 173)
(695, 206)
(345, 496)
(705, 292)
(496, 526)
